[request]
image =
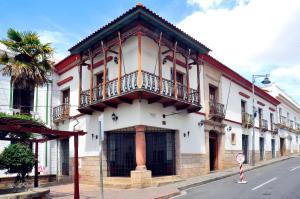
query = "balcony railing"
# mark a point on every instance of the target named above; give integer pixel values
(61, 112)
(263, 125)
(283, 121)
(297, 126)
(290, 125)
(274, 128)
(150, 83)
(247, 120)
(216, 110)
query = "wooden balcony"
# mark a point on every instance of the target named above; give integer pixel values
(61, 112)
(247, 120)
(128, 90)
(216, 111)
(274, 128)
(263, 125)
(290, 125)
(297, 127)
(282, 122)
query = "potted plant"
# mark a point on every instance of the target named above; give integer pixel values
(17, 158)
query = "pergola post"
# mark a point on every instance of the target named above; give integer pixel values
(36, 164)
(91, 74)
(198, 81)
(174, 70)
(80, 81)
(119, 64)
(104, 50)
(76, 172)
(187, 76)
(139, 77)
(160, 64)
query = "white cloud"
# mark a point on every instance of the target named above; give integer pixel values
(253, 37)
(60, 42)
(205, 4)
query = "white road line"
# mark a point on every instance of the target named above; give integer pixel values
(295, 168)
(264, 184)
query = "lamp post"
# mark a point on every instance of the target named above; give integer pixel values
(265, 81)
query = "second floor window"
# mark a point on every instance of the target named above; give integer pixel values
(260, 116)
(179, 77)
(271, 120)
(99, 78)
(243, 106)
(212, 94)
(66, 96)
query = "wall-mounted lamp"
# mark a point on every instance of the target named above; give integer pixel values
(116, 59)
(114, 117)
(186, 134)
(201, 123)
(229, 128)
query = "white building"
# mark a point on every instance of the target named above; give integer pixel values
(120, 81)
(40, 109)
(288, 113)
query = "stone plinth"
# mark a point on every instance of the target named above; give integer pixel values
(141, 178)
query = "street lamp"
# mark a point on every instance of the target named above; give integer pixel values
(265, 81)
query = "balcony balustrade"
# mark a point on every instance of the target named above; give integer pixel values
(290, 125)
(282, 122)
(274, 128)
(216, 111)
(128, 90)
(263, 125)
(247, 120)
(61, 112)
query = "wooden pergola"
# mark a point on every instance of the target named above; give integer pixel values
(18, 126)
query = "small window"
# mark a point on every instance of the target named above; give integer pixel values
(179, 76)
(99, 78)
(233, 139)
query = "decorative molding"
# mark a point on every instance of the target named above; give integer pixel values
(178, 62)
(101, 62)
(272, 109)
(237, 78)
(260, 103)
(70, 78)
(244, 95)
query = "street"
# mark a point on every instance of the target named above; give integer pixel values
(279, 180)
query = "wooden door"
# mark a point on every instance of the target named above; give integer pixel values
(213, 151)
(66, 101)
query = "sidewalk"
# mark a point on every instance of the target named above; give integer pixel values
(163, 192)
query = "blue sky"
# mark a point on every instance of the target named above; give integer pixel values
(77, 18)
(250, 36)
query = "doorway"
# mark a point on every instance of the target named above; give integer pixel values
(273, 147)
(120, 153)
(64, 154)
(282, 147)
(160, 152)
(261, 148)
(245, 147)
(213, 150)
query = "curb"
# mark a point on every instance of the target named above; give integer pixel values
(230, 174)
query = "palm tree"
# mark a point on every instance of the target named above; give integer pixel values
(28, 62)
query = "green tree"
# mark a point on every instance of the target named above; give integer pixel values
(17, 158)
(27, 61)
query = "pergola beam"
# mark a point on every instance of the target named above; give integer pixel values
(39, 130)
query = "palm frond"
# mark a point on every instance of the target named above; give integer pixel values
(14, 35)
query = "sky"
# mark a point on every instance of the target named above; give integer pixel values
(249, 36)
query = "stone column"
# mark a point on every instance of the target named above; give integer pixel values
(140, 148)
(140, 177)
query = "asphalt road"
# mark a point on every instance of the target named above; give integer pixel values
(279, 180)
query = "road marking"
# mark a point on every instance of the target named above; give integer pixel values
(295, 168)
(264, 184)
